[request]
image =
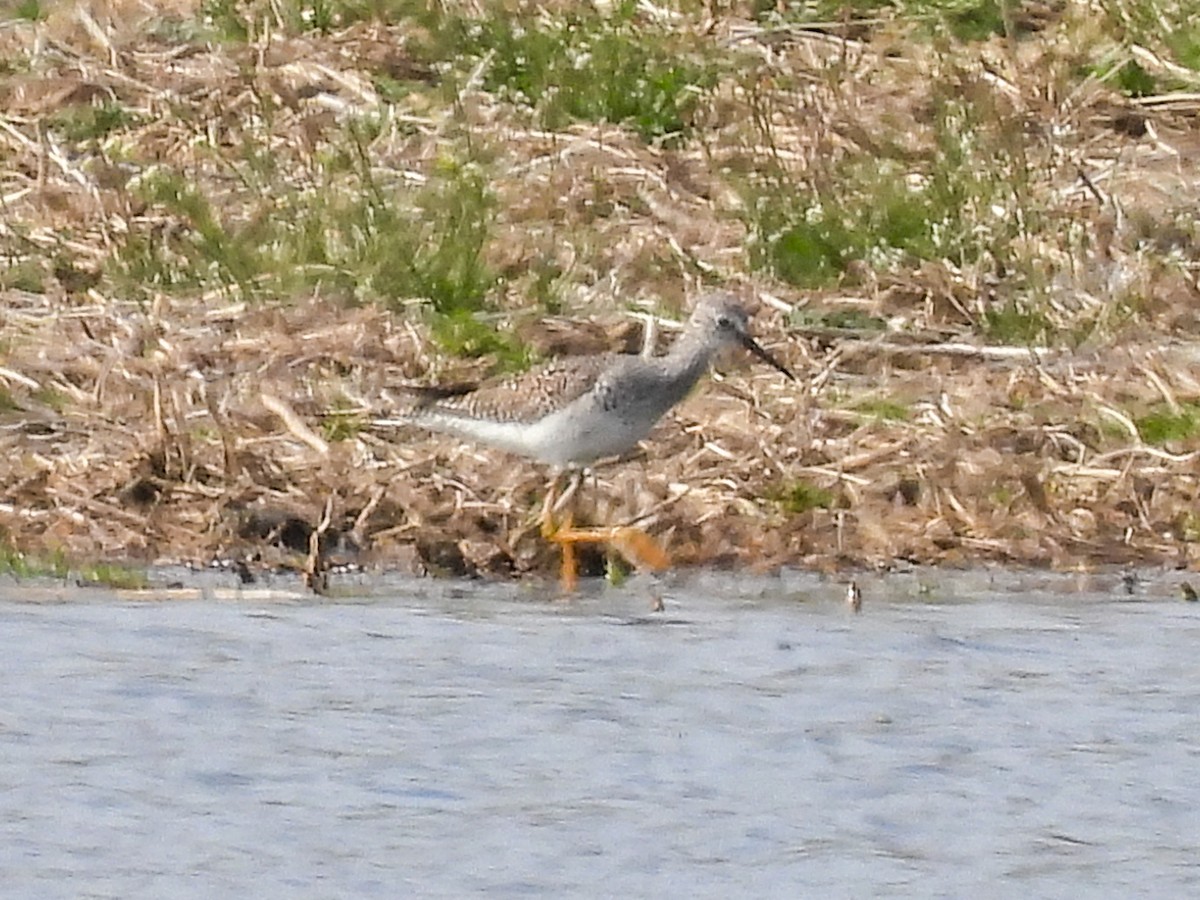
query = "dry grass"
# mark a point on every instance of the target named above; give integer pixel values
(981, 253)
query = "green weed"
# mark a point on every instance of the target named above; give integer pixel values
(966, 20)
(801, 240)
(617, 570)
(52, 398)
(448, 265)
(227, 19)
(866, 213)
(343, 234)
(802, 497)
(883, 410)
(24, 275)
(819, 10)
(592, 68)
(1168, 28)
(838, 319)
(238, 20)
(1171, 27)
(547, 285)
(29, 10)
(967, 204)
(1135, 81)
(1016, 323)
(80, 123)
(462, 333)
(978, 20)
(113, 575)
(337, 427)
(207, 250)
(1000, 496)
(17, 564)
(1162, 425)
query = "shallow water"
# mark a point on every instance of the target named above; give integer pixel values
(965, 735)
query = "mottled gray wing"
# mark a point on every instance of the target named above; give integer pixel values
(525, 397)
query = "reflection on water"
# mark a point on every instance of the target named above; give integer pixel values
(755, 739)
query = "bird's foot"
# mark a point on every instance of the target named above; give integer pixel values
(639, 548)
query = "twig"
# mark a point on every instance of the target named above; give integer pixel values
(293, 424)
(316, 570)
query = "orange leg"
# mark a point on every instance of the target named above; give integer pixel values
(632, 543)
(569, 576)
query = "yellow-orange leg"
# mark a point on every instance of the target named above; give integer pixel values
(632, 543)
(569, 574)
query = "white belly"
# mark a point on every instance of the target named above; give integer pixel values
(570, 437)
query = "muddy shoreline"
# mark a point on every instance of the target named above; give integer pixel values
(1003, 460)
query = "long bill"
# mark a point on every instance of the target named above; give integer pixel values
(756, 348)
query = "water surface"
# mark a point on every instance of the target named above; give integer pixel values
(966, 734)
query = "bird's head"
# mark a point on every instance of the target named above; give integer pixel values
(722, 317)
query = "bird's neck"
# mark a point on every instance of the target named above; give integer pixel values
(688, 359)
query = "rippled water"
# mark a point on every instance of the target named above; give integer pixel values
(962, 736)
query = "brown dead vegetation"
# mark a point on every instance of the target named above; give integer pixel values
(195, 425)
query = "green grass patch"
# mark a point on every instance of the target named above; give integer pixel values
(464, 334)
(883, 410)
(802, 241)
(230, 20)
(1135, 81)
(46, 396)
(337, 427)
(838, 319)
(17, 564)
(82, 123)
(24, 275)
(113, 575)
(206, 250)
(819, 10)
(28, 10)
(977, 20)
(966, 204)
(327, 15)
(342, 234)
(8, 403)
(1162, 425)
(1017, 323)
(803, 496)
(810, 239)
(591, 67)
(240, 20)
(1168, 27)
(966, 20)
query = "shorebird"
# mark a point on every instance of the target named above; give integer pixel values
(576, 410)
